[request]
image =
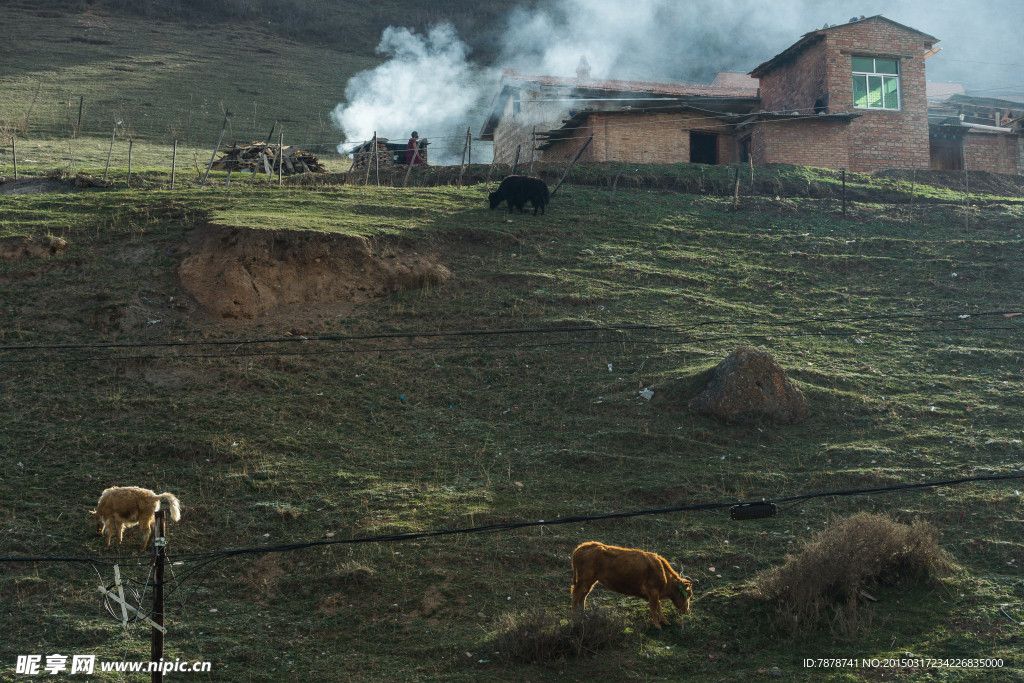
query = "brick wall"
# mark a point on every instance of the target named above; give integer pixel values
(805, 143)
(990, 152)
(881, 139)
(643, 138)
(795, 86)
(877, 139)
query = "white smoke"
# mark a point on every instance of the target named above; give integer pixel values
(427, 85)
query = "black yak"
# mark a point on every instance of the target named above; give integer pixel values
(519, 189)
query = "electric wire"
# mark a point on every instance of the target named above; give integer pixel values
(215, 555)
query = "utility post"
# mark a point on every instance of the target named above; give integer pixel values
(159, 557)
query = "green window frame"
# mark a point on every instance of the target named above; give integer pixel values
(876, 83)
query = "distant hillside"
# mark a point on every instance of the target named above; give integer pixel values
(164, 80)
(342, 25)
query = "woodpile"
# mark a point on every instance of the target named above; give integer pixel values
(363, 155)
(248, 157)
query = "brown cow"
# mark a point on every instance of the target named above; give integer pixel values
(630, 572)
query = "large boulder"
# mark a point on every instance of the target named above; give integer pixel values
(750, 384)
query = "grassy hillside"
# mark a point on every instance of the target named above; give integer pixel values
(328, 440)
(163, 80)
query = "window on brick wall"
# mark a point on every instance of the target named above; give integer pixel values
(876, 83)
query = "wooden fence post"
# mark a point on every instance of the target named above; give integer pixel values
(490, 168)
(280, 159)
(913, 187)
(262, 161)
(376, 159)
(109, 152)
(566, 174)
(616, 181)
(533, 146)
(370, 150)
(736, 190)
(131, 142)
(174, 161)
(462, 166)
(213, 156)
(844, 193)
(967, 198)
(515, 164)
(14, 153)
(81, 105)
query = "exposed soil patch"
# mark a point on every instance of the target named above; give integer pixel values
(21, 248)
(239, 274)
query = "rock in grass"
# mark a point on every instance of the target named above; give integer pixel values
(750, 384)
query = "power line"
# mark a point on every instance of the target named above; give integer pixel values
(510, 526)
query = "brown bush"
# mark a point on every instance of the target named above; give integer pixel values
(834, 567)
(538, 637)
(354, 573)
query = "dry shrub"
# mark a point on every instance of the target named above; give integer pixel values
(834, 567)
(354, 573)
(537, 637)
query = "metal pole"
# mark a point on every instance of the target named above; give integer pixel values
(14, 153)
(174, 161)
(131, 142)
(81, 104)
(156, 652)
(280, 158)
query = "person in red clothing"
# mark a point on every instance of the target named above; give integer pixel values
(412, 150)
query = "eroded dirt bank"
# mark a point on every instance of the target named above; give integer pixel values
(240, 274)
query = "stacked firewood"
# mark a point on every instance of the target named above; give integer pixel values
(248, 157)
(363, 156)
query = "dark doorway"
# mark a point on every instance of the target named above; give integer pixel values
(947, 155)
(703, 148)
(745, 150)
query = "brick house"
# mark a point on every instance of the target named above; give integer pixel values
(981, 133)
(629, 120)
(850, 95)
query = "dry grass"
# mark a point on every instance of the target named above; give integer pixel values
(835, 567)
(538, 637)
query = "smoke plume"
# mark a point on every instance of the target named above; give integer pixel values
(428, 84)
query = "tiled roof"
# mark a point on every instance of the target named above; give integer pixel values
(733, 79)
